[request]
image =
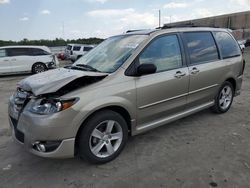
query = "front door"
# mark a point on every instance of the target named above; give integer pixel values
(163, 93)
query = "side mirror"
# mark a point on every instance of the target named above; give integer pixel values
(144, 69)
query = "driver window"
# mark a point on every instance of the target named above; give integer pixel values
(164, 52)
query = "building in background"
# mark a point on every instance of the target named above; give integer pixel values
(238, 22)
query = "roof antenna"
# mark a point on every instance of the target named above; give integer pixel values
(159, 18)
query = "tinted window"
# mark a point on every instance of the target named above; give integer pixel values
(2, 53)
(228, 46)
(69, 47)
(87, 48)
(17, 51)
(201, 47)
(76, 48)
(163, 52)
(37, 51)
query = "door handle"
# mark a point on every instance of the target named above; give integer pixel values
(13, 59)
(6, 60)
(194, 70)
(179, 74)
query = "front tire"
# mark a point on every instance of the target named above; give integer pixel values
(38, 68)
(103, 137)
(224, 98)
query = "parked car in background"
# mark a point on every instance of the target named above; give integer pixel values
(242, 45)
(75, 51)
(26, 59)
(61, 56)
(127, 85)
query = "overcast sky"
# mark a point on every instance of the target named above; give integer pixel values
(44, 19)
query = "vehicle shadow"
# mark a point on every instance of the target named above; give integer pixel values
(15, 75)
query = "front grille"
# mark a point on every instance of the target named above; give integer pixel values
(18, 134)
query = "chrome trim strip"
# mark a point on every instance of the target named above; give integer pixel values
(176, 97)
(174, 117)
(198, 90)
(162, 101)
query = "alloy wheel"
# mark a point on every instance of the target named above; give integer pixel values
(225, 97)
(38, 68)
(106, 138)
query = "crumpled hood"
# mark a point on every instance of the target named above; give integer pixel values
(52, 80)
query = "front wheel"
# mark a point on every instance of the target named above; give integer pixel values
(224, 98)
(38, 67)
(103, 137)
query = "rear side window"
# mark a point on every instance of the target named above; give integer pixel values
(164, 52)
(228, 46)
(18, 51)
(37, 52)
(87, 48)
(2, 53)
(201, 47)
(76, 48)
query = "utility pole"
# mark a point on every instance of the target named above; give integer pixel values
(159, 18)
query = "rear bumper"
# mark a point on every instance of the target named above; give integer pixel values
(73, 57)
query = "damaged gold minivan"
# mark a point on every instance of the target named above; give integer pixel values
(128, 84)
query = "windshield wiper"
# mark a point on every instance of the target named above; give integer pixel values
(87, 67)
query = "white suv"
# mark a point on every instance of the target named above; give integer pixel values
(21, 59)
(75, 51)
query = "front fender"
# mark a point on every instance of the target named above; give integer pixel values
(105, 102)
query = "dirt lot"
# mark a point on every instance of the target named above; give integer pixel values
(203, 150)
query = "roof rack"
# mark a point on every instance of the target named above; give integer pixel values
(180, 25)
(130, 31)
(190, 24)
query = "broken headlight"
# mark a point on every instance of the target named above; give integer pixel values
(49, 106)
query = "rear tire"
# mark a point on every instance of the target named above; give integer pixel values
(224, 98)
(38, 68)
(103, 137)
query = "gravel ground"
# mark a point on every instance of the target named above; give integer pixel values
(202, 150)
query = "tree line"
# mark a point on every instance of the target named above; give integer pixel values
(55, 42)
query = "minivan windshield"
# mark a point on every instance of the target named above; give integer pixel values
(111, 53)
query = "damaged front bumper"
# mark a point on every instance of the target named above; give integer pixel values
(53, 64)
(53, 133)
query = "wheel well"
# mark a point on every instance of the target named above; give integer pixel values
(120, 110)
(233, 82)
(38, 63)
